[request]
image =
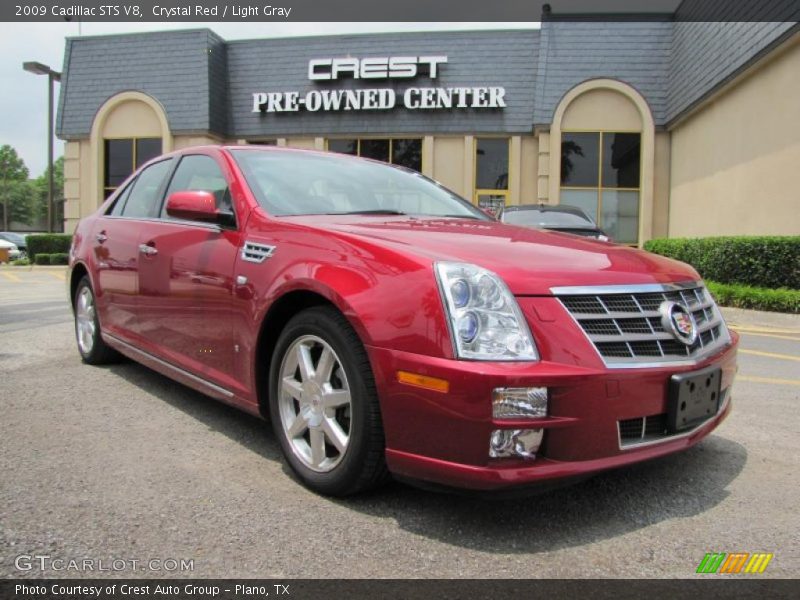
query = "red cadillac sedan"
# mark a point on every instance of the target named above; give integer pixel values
(385, 326)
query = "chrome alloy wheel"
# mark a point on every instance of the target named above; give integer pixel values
(85, 321)
(315, 403)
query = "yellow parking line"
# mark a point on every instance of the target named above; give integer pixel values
(765, 330)
(755, 379)
(770, 335)
(59, 276)
(770, 354)
(11, 277)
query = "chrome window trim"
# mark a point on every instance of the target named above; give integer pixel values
(198, 224)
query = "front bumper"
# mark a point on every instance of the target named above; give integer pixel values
(444, 438)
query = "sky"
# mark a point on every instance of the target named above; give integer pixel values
(23, 96)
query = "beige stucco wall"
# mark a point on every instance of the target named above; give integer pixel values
(187, 141)
(604, 109)
(528, 169)
(306, 143)
(661, 185)
(448, 163)
(78, 183)
(736, 162)
(132, 116)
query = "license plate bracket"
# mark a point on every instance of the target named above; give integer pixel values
(693, 398)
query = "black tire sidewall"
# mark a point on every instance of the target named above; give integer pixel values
(322, 323)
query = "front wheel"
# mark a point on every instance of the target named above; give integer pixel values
(91, 346)
(324, 406)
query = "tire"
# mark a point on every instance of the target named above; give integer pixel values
(93, 349)
(328, 422)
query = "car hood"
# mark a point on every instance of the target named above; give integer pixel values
(530, 261)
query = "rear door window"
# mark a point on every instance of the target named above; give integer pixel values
(144, 198)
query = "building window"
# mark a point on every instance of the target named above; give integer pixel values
(123, 156)
(406, 152)
(600, 173)
(491, 173)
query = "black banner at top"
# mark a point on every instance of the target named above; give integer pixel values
(407, 10)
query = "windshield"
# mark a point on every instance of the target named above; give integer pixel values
(14, 238)
(293, 183)
(546, 219)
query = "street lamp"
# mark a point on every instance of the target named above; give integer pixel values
(38, 68)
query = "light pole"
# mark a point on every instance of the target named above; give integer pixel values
(38, 68)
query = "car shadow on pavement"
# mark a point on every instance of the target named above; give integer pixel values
(608, 505)
(249, 431)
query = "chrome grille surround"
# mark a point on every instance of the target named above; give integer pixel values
(624, 324)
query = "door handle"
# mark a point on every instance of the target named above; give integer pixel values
(147, 250)
(101, 237)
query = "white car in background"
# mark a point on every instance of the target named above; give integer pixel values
(13, 251)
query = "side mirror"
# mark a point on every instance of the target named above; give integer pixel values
(193, 206)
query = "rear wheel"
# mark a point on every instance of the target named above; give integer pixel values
(91, 346)
(323, 404)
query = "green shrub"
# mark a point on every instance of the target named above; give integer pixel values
(59, 258)
(48, 243)
(745, 296)
(21, 262)
(758, 261)
(41, 259)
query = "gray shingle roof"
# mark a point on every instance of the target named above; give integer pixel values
(206, 84)
(572, 52)
(173, 67)
(705, 55)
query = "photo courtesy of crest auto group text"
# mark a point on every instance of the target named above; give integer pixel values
(293, 306)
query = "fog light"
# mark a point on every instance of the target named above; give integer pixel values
(515, 443)
(515, 403)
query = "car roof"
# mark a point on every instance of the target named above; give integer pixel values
(546, 208)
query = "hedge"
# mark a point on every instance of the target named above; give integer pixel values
(744, 296)
(41, 259)
(757, 261)
(59, 258)
(48, 243)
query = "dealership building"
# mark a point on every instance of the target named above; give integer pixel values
(655, 128)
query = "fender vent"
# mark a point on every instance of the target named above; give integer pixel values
(256, 253)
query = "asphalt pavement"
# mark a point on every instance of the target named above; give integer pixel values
(120, 463)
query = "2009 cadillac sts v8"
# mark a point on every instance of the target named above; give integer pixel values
(385, 325)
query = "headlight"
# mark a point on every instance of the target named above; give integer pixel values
(485, 320)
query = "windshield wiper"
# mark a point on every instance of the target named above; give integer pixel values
(461, 217)
(376, 211)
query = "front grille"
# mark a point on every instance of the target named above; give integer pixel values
(624, 323)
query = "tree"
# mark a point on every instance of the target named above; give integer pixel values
(15, 190)
(17, 202)
(41, 183)
(12, 167)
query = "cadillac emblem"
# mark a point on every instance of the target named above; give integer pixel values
(678, 320)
